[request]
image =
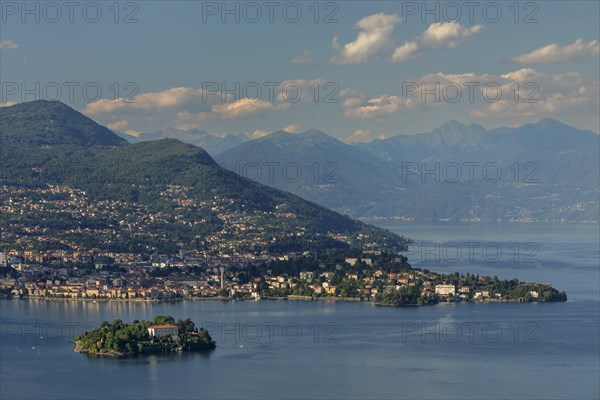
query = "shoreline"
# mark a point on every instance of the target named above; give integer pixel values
(442, 222)
(111, 354)
(270, 298)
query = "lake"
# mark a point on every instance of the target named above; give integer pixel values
(294, 349)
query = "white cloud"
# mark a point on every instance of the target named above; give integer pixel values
(259, 133)
(373, 39)
(169, 99)
(523, 75)
(8, 44)
(305, 58)
(292, 128)
(133, 133)
(118, 126)
(7, 104)
(355, 107)
(244, 108)
(351, 102)
(406, 51)
(363, 135)
(448, 34)
(437, 35)
(523, 93)
(583, 99)
(192, 104)
(554, 53)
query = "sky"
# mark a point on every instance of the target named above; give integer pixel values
(357, 70)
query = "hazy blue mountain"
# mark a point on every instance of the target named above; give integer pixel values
(542, 171)
(447, 141)
(214, 144)
(315, 166)
(557, 153)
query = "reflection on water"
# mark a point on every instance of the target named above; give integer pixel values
(447, 351)
(153, 359)
(564, 255)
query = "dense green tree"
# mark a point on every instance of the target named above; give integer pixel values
(164, 320)
(120, 338)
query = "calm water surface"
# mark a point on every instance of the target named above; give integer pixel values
(285, 350)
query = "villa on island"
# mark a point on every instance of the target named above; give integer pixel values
(163, 330)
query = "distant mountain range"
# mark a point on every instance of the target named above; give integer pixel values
(213, 144)
(563, 154)
(547, 171)
(48, 143)
(313, 165)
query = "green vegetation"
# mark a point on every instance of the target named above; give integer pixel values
(408, 295)
(121, 339)
(388, 280)
(5, 293)
(44, 143)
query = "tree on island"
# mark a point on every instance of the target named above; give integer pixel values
(121, 339)
(164, 320)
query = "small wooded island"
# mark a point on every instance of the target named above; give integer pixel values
(163, 335)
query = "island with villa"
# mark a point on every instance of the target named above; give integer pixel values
(162, 335)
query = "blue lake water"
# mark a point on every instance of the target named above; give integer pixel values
(289, 350)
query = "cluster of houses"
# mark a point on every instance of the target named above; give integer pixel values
(218, 277)
(240, 229)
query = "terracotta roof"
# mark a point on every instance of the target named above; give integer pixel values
(162, 326)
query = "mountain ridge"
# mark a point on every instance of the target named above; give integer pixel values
(142, 175)
(546, 159)
(213, 144)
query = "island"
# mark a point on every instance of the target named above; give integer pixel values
(163, 335)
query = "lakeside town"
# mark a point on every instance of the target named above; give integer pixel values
(58, 243)
(371, 276)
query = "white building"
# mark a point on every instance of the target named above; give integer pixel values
(444, 290)
(351, 261)
(163, 330)
(482, 295)
(307, 275)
